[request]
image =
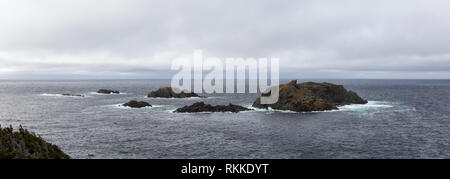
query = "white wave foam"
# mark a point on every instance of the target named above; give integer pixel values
(102, 94)
(363, 107)
(53, 95)
(270, 110)
(172, 111)
(60, 95)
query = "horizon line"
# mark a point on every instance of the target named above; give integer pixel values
(112, 79)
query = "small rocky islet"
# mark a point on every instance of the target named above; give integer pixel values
(107, 91)
(202, 107)
(137, 104)
(168, 92)
(311, 96)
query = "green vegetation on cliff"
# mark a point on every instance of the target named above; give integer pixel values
(22, 144)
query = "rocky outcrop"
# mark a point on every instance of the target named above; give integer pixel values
(167, 92)
(311, 96)
(107, 91)
(202, 107)
(22, 144)
(73, 95)
(137, 104)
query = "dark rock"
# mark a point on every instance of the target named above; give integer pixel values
(311, 96)
(106, 91)
(73, 95)
(202, 107)
(137, 104)
(167, 92)
(23, 144)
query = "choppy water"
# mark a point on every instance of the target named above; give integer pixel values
(404, 119)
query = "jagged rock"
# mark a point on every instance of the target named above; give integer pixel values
(73, 95)
(23, 144)
(106, 91)
(202, 107)
(167, 92)
(311, 96)
(137, 104)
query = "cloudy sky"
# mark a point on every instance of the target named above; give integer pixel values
(74, 39)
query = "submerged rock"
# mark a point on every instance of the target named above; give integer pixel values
(311, 96)
(202, 107)
(107, 91)
(167, 92)
(22, 144)
(73, 95)
(137, 104)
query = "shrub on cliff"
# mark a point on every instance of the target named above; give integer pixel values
(23, 144)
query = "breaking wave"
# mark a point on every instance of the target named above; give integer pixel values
(60, 95)
(364, 107)
(102, 94)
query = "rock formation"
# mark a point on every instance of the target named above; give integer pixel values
(137, 104)
(202, 107)
(311, 96)
(107, 91)
(73, 95)
(167, 92)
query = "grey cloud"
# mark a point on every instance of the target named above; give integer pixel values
(346, 39)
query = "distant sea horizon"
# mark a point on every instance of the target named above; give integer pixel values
(281, 79)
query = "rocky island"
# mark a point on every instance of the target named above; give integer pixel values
(202, 107)
(311, 96)
(22, 144)
(107, 91)
(167, 92)
(137, 104)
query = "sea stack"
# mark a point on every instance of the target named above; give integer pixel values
(167, 92)
(311, 96)
(137, 104)
(202, 107)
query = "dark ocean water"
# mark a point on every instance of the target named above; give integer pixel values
(404, 119)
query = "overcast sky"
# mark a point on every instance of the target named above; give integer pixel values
(139, 38)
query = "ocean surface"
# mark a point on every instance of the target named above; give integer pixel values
(404, 119)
